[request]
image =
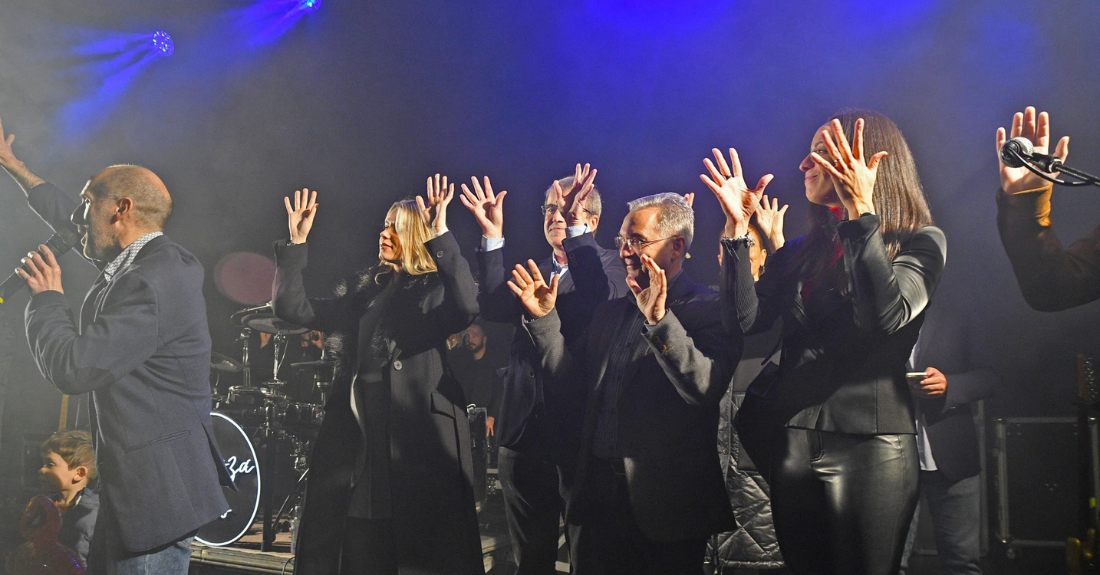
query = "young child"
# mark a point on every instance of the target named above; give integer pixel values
(68, 464)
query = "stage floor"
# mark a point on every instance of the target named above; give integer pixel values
(245, 556)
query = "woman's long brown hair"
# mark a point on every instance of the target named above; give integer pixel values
(899, 197)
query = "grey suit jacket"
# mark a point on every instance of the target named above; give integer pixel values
(667, 411)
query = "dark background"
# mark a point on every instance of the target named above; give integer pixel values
(363, 100)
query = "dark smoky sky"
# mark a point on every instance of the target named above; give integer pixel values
(364, 100)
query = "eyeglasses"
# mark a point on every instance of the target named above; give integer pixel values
(635, 245)
(550, 209)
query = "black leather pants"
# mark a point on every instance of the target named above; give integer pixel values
(842, 503)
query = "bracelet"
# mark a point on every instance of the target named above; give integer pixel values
(734, 242)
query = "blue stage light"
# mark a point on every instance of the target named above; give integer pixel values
(163, 44)
(309, 5)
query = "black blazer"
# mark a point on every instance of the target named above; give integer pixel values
(949, 420)
(843, 361)
(143, 351)
(431, 471)
(526, 423)
(668, 409)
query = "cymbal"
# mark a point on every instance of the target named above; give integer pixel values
(273, 325)
(316, 364)
(238, 318)
(219, 362)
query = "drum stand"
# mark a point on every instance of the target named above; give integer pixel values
(272, 390)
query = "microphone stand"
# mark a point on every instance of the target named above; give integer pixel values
(1056, 165)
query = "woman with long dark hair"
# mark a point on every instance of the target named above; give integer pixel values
(391, 486)
(851, 294)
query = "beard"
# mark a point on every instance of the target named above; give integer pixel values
(100, 246)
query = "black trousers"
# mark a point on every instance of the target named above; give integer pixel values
(533, 505)
(609, 542)
(842, 503)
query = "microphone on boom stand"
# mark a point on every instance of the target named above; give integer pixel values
(1019, 152)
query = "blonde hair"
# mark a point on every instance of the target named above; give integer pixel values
(413, 233)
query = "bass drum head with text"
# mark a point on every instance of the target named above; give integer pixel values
(243, 467)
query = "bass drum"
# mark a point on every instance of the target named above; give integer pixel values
(243, 467)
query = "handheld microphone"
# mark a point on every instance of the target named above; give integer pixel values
(58, 243)
(1020, 149)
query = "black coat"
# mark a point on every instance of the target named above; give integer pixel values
(142, 350)
(753, 544)
(434, 519)
(843, 362)
(667, 410)
(527, 423)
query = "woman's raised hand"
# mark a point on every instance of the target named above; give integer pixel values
(1037, 129)
(735, 197)
(487, 207)
(853, 177)
(769, 217)
(537, 297)
(434, 211)
(300, 215)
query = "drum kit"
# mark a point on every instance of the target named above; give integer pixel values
(264, 431)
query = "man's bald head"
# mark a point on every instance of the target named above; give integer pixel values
(151, 202)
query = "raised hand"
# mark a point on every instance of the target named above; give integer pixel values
(434, 211)
(690, 198)
(769, 217)
(537, 297)
(16, 168)
(735, 197)
(651, 300)
(300, 215)
(41, 271)
(853, 177)
(571, 202)
(7, 156)
(487, 207)
(1036, 129)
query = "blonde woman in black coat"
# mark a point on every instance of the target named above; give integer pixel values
(390, 488)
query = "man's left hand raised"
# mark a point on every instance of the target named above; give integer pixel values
(41, 271)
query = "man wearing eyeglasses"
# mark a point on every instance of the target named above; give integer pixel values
(655, 364)
(538, 430)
